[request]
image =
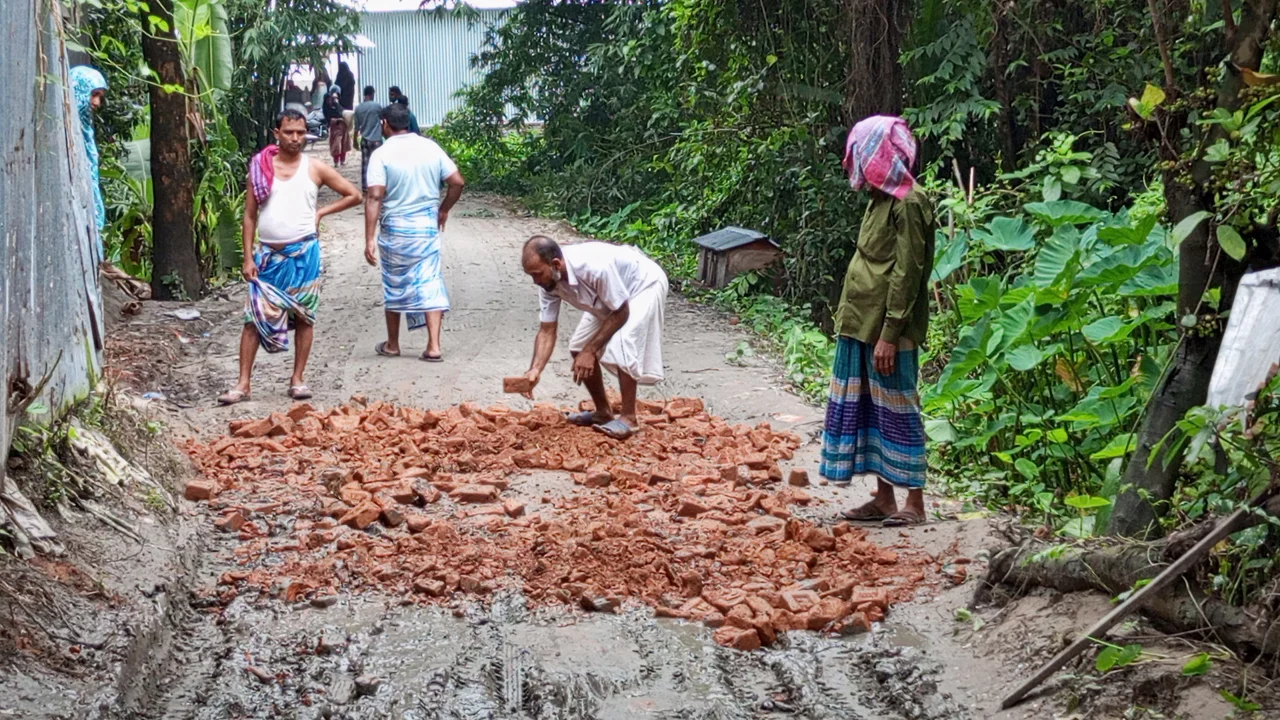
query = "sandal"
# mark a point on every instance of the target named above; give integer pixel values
(300, 392)
(586, 418)
(381, 349)
(231, 397)
(903, 518)
(433, 358)
(865, 513)
(617, 429)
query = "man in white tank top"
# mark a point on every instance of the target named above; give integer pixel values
(284, 274)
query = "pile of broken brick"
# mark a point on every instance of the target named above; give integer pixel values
(692, 516)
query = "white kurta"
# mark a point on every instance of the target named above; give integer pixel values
(599, 279)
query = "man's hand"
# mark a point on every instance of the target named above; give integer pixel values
(318, 216)
(371, 253)
(584, 366)
(250, 269)
(885, 357)
(441, 218)
(533, 376)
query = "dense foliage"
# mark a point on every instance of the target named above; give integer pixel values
(1050, 149)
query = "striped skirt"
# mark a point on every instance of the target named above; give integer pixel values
(873, 421)
(412, 273)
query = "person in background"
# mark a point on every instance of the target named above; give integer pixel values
(347, 81)
(873, 424)
(403, 99)
(403, 218)
(284, 275)
(393, 93)
(339, 139)
(368, 123)
(320, 90)
(89, 88)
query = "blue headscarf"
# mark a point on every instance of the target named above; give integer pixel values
(84, 81)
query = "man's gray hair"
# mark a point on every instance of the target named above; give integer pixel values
(544, 247)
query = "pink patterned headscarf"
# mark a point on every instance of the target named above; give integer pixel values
(880, 152)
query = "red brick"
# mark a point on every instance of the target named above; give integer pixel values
(827, 611)
(426, 491)
(392, 516)
(280, 425)
(648, 407)
(690, 507)
(683, 407)
(253, 429)
(756, 461)
(231, 522)
(417, 522)
(799, 477)
(575, 464)
(724, 600)
(737, 638)
(199, 490)
(740, 616)
(784, 620)
(513, 508)
(766, 523)
(353, 494)
(428, 586)
(728, 473)
(403, 493)
(875, 596)
(518, 384)
(362, 515)
(856, 623)
(598, 478)
(343, 423)
(627, 475)
(713, 620)
(475, 493)
(299, 411)
(661, 474)
(819, 539)
(798, 601)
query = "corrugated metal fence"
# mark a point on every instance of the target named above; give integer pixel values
(427, 54)
(51, 318)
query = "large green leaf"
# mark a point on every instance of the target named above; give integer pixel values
(1013, 323)
(1111, 329)
(1024, 357)
(137, 159)
(1125, 232)
(1152, 280)
(1188, 225)
(1004, 233)
(1119, 446)
(1231, 242)
(949, 256)
(1058, 259)
(1065, 212)
(205, 41)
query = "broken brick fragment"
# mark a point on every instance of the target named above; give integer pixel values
(798, 477)
(429, 586)
(869, 595)
(253, 429)
(198, 490)
(690, 507)
(513, 508)
(737, 638)
(756, 461)
(474, 493)
(362, 515)
(299, 411)
(597, 478)
(827, 611)
(231, 522)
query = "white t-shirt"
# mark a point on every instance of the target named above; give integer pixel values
(412, 168)
(599, 278)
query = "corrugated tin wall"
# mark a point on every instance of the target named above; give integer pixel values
(426, 54)
(50, 320)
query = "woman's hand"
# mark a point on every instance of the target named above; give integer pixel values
(885, 357)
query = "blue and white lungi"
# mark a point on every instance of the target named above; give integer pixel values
(412, 272)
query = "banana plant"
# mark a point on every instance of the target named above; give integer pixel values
(206, 43)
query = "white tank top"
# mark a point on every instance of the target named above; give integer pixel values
(289, 214)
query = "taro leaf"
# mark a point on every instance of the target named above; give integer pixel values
(1108, 330)
(1005, 233)
(1052, 189)
(1024, 357)
(1119, 446)
(1126, 233)
(1152, 280)
(1231, 242)
(1087, 502)
(1063, 212)
(1057, 258)
(1197, 665)
(1118, 265)
(940, 430)
(1080, 527)
(1013, 323)
(1188, 225)
(1028, 469)
(949, 256)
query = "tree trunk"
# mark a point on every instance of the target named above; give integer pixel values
(175, 271)
(1201, 266)
(1113, 569)
(999, 72)
(874, 84)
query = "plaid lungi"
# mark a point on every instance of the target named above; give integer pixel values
(873, 421)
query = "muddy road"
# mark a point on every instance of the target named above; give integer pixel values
(370, 655)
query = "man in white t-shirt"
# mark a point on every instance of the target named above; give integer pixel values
(403, 216)
(622, 293)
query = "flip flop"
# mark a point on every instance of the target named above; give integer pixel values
(586, 418)
(433, 358)
(300, 392)
(381, 349)
(617, 429)
(864, 513)
(903, 518)
(231, 397)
